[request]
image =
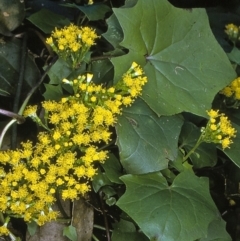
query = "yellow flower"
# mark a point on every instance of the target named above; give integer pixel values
(218, 130)
(57, 146)
(93, 98)
(212, 113)
(4, 230)
(226, 142)
(232, 90)
(30, 111)
(49, 41)
(72, 42)
(77, 123)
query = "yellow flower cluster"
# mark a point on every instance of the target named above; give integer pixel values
(64, 157)
(72, 43)
(233, 32)
(218, 130)
(232, 90)
(4, 231)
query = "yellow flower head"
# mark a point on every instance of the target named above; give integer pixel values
(232, 90)
(30, 111)
(65, 155)
(72, 42)
(232, 31)
(219, 129)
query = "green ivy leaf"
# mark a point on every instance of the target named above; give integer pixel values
(47, 21)
(205, 155)
(53, 92)
(146, 142)
(58, 72)
(125, 230)
(93, 12)
(32, 227)
(217, 231)
(182, 211)
(102, 71)
(9, 68)
(113, 169)
(185, 65)
(114, 34)
(234, 55)
(70, 232)
(100, 180)
(11, 15)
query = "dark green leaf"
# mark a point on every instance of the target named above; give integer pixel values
(32, 227)
(114, 34)
(146, 142)
(108, 191)
(102, 71)
(111, 201)
(205, 155)
(180, 55)
(58, 72)
(9, 68)
(70, 232)
(217, 231)
(100, 180)
(182, 211)
(125, 230)
(234, 55)
(53, 92)
(130, 3)
(93, 12)
(113, 169)
(47, 20)
(12, 13)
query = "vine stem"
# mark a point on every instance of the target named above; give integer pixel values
(2, 220)
(105, 216)
(20, 119)
(95, 238)
(19, 88)
(199, 141)
(5, 130)
(103, 57)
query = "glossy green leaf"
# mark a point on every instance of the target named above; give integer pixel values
(205, 154)
(70, 232)
(125, 230)
(182, 211)
(108, 191)
(113, 169)
(102, 71)
(217, 231)
(234, 55)
(32, 227)
(12, 13)
(111, 201)
(58, 72)
(10, 59)
(185, 65)
(146, 142)
(100, 180)
(47, 21)
(53, 92)
(114, 34)
(93, 12)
